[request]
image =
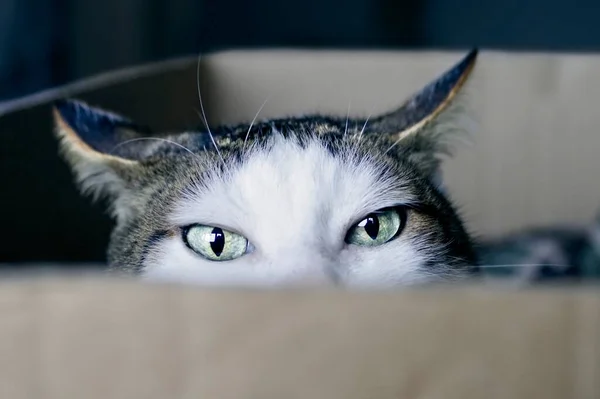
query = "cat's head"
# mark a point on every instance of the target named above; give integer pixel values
(297, 200)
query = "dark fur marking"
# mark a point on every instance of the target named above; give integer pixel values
(98, 129)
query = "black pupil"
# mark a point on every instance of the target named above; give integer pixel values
(218, 241)
(372, 226)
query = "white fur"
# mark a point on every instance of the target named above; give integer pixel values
(295, 206)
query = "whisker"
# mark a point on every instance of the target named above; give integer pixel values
(203, 117)
(153, 138)
(254, 120)
(393, 145)
(347, 117)
(364, 127)
(355, 150)
(522, 265)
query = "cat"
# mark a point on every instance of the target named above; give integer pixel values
(301, 200)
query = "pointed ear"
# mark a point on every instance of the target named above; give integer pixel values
(89, 140)
(425, 126)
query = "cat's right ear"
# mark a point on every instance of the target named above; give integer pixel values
(429, 122)
(89, 140)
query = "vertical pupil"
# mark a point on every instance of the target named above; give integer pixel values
(218, 242)
(372, 226)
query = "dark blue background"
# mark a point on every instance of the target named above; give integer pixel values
(45, 43)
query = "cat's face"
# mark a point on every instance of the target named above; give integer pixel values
(290, 201)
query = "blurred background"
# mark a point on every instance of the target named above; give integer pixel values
(44, 43)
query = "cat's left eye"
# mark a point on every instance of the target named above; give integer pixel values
(215, 243)
(378, 227)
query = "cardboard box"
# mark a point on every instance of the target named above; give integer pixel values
(533, 162)
(72, 339)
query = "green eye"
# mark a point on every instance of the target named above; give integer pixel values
(377, 228)
(214, 243)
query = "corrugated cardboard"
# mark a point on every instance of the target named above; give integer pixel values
(90, 339)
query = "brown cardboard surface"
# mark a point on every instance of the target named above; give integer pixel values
(93, 338)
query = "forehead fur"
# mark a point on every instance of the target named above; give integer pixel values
(292, 184)
(280, 162)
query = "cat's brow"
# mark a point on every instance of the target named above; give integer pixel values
(347, 117)
(253, 121)
(203, 117)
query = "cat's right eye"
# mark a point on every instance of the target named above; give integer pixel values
(377, 228)
(215, 243)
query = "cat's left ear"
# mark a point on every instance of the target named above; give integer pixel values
(426, 124)
(92, 141)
